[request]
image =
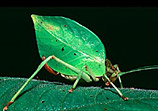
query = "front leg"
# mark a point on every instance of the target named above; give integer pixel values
(119, 92)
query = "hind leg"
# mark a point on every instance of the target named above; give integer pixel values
(50, 70)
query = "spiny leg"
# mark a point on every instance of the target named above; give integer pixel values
(83, 75)
(119, 92)
(24, 85)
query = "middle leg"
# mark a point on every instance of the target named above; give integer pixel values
(91, 74)
(77, 80)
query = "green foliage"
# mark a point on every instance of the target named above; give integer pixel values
(70, 42)
(51, 96)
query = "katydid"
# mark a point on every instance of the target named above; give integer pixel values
(73, 51)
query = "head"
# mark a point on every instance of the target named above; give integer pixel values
(111, 71)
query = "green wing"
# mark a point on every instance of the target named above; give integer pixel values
(69, 41)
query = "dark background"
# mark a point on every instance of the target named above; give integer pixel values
(130, 36)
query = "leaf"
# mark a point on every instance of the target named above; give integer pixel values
(70, 42)
(52, 96)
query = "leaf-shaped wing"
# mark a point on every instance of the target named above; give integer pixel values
(69, 41)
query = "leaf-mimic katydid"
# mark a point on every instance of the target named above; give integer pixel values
(73, 51)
